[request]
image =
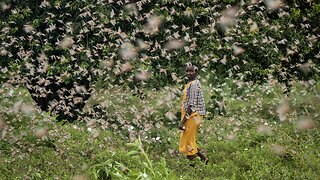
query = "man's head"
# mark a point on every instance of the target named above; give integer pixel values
(191, 71)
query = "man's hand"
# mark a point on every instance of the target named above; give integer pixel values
(181, 126)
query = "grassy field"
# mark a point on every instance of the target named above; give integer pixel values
(253, 132)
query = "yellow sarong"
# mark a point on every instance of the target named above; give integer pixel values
(188, 145)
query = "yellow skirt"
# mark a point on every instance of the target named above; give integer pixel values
(188, 145)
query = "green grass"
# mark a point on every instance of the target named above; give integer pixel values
(248, 142)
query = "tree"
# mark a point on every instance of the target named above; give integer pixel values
(60, 49)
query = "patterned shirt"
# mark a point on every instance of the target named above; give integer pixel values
(195, 98)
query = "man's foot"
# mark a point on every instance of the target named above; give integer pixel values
(191, 157)
(202, 157)
(206, 160)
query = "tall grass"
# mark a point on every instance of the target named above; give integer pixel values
(262, 134)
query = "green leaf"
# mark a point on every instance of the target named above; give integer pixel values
(132, 153)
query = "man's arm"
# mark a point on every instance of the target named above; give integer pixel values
(185, 118)
(190, 102)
